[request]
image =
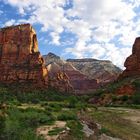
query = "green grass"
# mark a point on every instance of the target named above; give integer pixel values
(67, 115)
(75, 129)
(29, 110)
(114, 124)
(23, 122)
(55, 131)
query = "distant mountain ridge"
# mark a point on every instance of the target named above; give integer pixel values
(79, 81)
(102, 70)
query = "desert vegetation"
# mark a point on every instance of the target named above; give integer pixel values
(22, 113)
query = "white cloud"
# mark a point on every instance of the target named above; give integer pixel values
(109, 19)
(10, 22)
(94, 23)
(55, 38)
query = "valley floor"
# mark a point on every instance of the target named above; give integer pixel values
(102, 123)
(46, 115)
(118, 122)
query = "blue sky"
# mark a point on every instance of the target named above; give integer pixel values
(101, 29)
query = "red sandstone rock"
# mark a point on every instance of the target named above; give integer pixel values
(80, 82)
(126, 90)
(20, 60)
(132, 63)
(58, 79)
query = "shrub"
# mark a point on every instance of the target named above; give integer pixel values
(75, 129)
(29, 134)
(34, 117)
(72, 101)
(124, 98)
(20, 124)
(114, 98)
(99, 92)
(136, 98)
(55, 106)
(81, 105)
(105, 131)
(55, 131)
(2, 125)
(136, 83)
(67, 115)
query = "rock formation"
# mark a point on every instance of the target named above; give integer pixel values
(101, 70)
(85, 74)
(126, 89)
(79, 82)
(58, 79)
(132, 63)
(20, 60)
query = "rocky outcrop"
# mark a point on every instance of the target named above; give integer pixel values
(127, 89)
(101, 70)
(79, 82)
(132, 63)
(20, 60)
(58, 79)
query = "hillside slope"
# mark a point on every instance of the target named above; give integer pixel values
(102, 70)
(79, 81)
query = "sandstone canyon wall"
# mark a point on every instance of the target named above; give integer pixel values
(79, 82)
(103, 71)
(20, 60)
(132, 63)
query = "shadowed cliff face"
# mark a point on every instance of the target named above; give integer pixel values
(20, 60)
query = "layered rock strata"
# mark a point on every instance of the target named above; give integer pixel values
(20, 60)
(132, 63)
(103, 71)
(80, 83)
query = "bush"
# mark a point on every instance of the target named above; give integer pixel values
(67, 115)
(33, 118)
(72, 101)
(98, 93)
(20, 124)
(136, 98)
(19, 93)
(75, 129)
(55, 106)
(55, 131)
(2, 125)
(124, 98)
(81, 105)
(105, 131)
(114, 98)
(29, 134)
(136, 83)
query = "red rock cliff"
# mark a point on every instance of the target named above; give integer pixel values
(20, 60)
(132, 63)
